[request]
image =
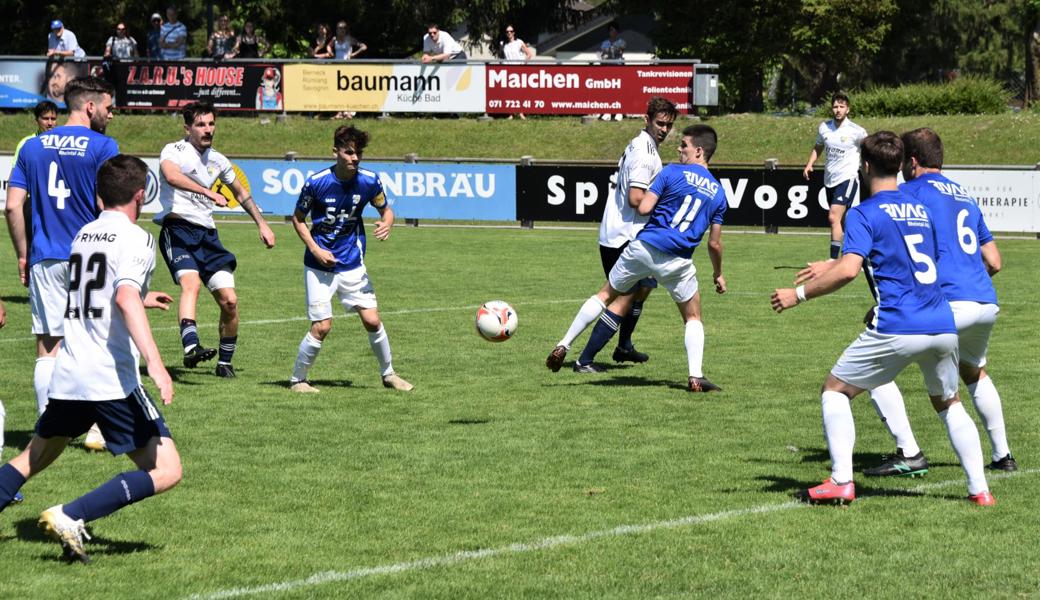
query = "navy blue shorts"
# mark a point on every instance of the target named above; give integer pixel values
(608, 256)
(126, 424)
(189, 247)
(843, 193)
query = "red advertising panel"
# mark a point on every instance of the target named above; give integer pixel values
(583, 89)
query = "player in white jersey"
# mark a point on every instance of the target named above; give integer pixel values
(189, 241)
(96, 377)
(637, 168)
(840, 137)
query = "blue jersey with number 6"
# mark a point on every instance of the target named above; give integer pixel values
(59, 171)
(334, 207)
(961, 232)
(894, 234)
(690, 200)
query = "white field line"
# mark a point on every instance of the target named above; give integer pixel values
(448, 560)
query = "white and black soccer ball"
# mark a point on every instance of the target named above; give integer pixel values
(496, 321)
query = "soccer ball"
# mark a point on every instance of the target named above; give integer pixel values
(496, 321)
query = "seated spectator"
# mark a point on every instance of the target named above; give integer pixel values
(322, 42)
(154, 50)
(249, 43)
(121, 45)
(173, 37)
(62, 43)
(439, 46)
(345, 46)
(223, 41)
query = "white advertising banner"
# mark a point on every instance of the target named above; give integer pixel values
(1008, 199)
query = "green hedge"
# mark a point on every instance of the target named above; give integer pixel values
(963, 96)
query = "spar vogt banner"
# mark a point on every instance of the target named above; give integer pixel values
(173, 84)
(754, 196)
(582, 89)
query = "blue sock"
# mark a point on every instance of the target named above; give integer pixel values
(189, 334)
(10, 482)
(835, 249)
(605, 328)
(121, 490)
(227, 349)
(628, 325)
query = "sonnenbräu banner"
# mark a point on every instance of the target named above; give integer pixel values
(416, 191)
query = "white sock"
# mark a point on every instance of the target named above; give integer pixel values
(987, 403)
(694, 339)
(305, 357)
(3, 417)
(588, 314)
(888, 402)
(840, 431)
(42, 381)
(381, 348)
(965, 439)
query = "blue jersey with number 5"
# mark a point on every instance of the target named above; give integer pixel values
(895, 236)
(961, 232)
(334, 207)
(690, 200)
(59, 171)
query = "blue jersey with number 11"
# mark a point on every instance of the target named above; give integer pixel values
(690, 200)
(334, 207)
(59, 171)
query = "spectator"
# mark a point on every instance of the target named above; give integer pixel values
(173, 37)
(154, 50)
(322, 41)
(62, 43)
(439, 46)
(222, 42)
(515, 50)
(121, 45)
(249, 43)
(345, 46)
(613, 50)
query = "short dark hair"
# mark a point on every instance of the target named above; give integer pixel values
(119, 179)
(840, 96)
(346, 134)
(884, 152)
(430, 26)
(704, 137)
(615, 26)
(658, 104)
(43, 107)
(202, 107)
(83, 89)
(924, 145)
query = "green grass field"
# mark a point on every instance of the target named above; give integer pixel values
(498, 479)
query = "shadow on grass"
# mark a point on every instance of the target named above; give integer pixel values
(318, 383)
(15, 299)
(469, 421)
(18, 439)
(28, 531)
(636, 381)
(178, 374)
(862, 460)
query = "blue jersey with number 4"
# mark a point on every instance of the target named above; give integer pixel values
(894, 234)
(961, 232)
(59, 171)
(690, 200)
(334, 207)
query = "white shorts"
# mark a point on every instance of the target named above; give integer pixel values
(353, 288)
(49, 296)
(974, 325)
(875, 358)
(639, 260)
(219, 280)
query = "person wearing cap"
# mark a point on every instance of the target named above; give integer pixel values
(173, 37)
(154, 50)
(63, 43)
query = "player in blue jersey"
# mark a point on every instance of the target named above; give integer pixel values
(968, 258)
(58, 172)
(334, 259)
(684, 202)
(892, 237)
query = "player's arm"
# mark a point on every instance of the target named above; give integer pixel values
(646, 203)
(299, 223)
(817, 149)
(16, 226)
(991, 257)
(128, 300)
(844, 270)
(386, 218)
(635, 196)
(245, 199)
(171, 171)
(715, 254)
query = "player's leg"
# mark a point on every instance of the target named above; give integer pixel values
(975, 323)
(840, 198)
(608, 324)
(37, 456)
(938, 362)
(626, 350)
(48, 299)
(46, 353)
(178, 242)
(319, 287)
(908, 460)
(222, 286)
(357, 293)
